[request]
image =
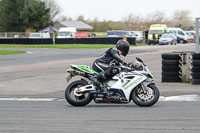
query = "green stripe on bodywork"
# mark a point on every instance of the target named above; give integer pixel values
(93, 71)
(132, 83)
(84, 68)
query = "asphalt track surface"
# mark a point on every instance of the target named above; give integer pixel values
(41, 74)
(59, 117)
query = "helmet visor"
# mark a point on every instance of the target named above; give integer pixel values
(125, 51)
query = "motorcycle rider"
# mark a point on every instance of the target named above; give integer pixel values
(108, 64)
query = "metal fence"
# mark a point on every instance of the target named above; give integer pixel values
(52, 35)
(12, 35)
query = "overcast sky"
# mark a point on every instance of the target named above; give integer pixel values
(117, 9)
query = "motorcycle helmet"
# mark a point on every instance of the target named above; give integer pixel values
(123, 45)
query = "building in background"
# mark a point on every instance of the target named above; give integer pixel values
(79, 25)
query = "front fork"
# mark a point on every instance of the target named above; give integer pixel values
(144, 85)
(143, 90)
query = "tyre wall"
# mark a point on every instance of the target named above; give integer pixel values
(196, 68)
(181, 67)
(170, 67)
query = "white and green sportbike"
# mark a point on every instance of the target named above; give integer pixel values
(129, 84)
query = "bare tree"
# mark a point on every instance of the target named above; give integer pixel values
(132, 22)
(158, 17)
(136, 22)
(182, 19)
(54, 9)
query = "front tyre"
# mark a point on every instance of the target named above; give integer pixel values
(80, 100)
(145, 98)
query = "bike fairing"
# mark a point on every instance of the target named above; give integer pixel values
(115, 93)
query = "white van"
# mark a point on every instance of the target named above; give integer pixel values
(139, 35)
(39, 35)
(66, 32)
(182, 37)
(191, 35)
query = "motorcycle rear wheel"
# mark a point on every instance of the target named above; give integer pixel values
(74, 100)
(148, 99)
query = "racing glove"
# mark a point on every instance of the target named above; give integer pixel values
(135, 65)
(138, 66)
(130, 65)
(125, 63)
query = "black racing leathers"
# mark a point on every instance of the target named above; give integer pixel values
(108, 62)
(111, 57)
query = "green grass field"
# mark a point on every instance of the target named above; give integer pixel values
(63, 46)
(6, 52)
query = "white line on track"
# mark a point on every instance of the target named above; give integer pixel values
(181, 98)
(29, 99)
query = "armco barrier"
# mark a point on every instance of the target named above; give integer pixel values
(104, 40)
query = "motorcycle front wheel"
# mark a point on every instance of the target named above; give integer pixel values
(81, 100)
(145, 98)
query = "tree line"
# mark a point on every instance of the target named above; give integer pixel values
(180, 18)
(33, 15)
(134, 22)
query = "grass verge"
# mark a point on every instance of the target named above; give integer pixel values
(6, 52)
(63, 46)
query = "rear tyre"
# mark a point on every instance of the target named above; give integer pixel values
(145, 99)
(74, 100)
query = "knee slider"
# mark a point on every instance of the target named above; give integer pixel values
(114, 71)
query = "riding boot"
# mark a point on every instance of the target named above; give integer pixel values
(97, 79)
